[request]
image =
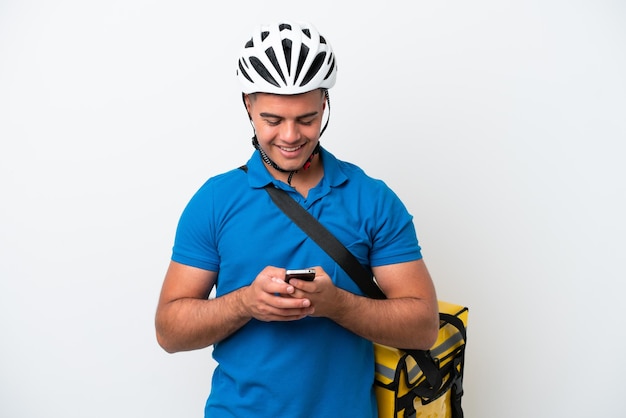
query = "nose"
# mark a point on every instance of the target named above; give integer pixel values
(290, 132)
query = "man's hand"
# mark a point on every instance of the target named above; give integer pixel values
(326, 298)
(411, 304)
(265, 299)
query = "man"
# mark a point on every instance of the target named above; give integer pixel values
(298, 348)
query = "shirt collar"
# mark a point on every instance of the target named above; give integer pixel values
(259, 176)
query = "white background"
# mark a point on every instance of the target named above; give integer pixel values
(500, 124)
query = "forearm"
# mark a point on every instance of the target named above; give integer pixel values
(189, 323)
(400, 322)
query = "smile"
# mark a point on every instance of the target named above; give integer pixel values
(291, 149)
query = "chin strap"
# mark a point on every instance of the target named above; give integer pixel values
(268, 161)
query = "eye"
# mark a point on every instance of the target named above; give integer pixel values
(272, 122)
(306, 122)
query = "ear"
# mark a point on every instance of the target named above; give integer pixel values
(246, 102)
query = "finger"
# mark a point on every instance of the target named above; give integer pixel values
(280, 286)
(285, 314)
(287, 303)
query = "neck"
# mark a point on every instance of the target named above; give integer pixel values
(302, 180)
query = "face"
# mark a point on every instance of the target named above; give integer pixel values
(287, 127)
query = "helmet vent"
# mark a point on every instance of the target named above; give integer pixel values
(314, 68)
(304, 51)
(287, 50)
(244, 72)
(332, 67)
(263, 72)
(272, 56)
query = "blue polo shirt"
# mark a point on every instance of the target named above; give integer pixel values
(306, 368)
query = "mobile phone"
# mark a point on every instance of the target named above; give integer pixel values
(301, 274)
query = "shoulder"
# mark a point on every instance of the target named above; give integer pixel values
(379, 199)
(224, 183)
(359, 179)
(233, 176)
(218, 193)
(341, 172)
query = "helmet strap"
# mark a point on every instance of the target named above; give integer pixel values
(328, 117)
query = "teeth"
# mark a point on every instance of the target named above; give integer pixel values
(290, 149)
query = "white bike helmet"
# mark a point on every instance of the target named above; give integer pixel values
(286, 58)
